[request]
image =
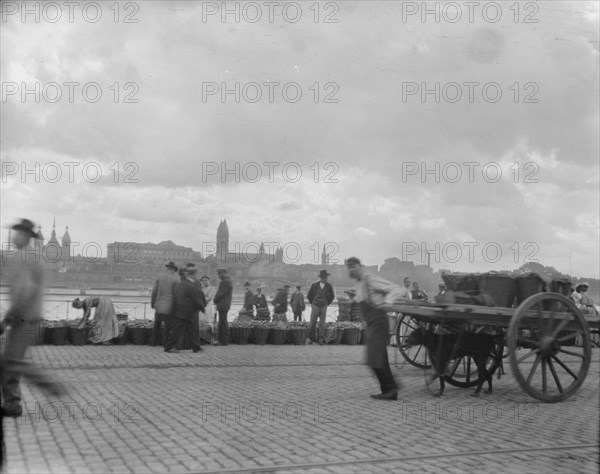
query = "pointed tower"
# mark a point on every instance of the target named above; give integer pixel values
(222, 239)
(53, 239)
(324, 257)
(66, 245)
(52, 250)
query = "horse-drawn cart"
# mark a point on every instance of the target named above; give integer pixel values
(547, 338)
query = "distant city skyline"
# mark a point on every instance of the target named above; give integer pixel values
(381, 133)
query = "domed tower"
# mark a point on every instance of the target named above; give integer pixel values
(222, 239)
(66, 245)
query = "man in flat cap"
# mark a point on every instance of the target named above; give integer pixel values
(320, 296)
(161, 301)
(373, 292)
(24, 312)
(188, 301)
(222, 301)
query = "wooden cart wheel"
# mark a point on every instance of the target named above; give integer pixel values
(548, 369)
(416, 355)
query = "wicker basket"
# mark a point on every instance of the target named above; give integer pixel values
(263, 314)
(277, 336)
(561, 286)
(137, 336)
(79, 336)
(355, 313)
(461, 281)
(333, 335)
(351, 336)
(529, 285)
(240, 335)
(344, 310)
(297, 336)
(57, 336)
(260, 335)
(502, 288)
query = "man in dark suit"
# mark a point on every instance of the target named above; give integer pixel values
(262, 308)
(297, 303)
(222, 301)
(248, 308)
(187, 302)
(319, 296)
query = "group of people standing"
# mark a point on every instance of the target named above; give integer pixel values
(320, 296)
(183, 302)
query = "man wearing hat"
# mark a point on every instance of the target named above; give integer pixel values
(248, 307)
(280, 304)
(188, 301)
(222, 301)
(161, 301)
(373, 292)
(297, 303)
(319, 296)
(24, 312)
(260, 301)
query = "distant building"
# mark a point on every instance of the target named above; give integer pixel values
(149, 253)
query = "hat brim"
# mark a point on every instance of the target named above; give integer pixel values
(26, 230)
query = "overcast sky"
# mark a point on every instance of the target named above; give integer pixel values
(362, 129)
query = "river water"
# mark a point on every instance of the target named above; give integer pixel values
(137, 307)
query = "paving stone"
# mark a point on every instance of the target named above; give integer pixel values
(186, 414)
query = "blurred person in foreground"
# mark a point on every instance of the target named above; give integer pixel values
(24, 312)
(373, 293)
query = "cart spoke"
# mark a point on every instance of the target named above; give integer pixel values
(564, 367)
(553, 370)
(544, 383)
(417, 353)
(572, 353)
(527, 356)
(560, 326)
(533, 369)
(454, 367)
(468, 369)
(568, 336)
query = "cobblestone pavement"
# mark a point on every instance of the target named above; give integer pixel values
(285, 409)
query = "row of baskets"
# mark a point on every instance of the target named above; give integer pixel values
(140, 335)
(505, 290)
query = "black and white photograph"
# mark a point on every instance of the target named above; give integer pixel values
(310, 236)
